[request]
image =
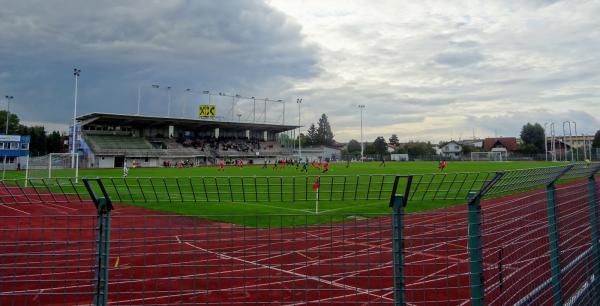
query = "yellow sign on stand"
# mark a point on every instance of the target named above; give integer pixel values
(207, 111)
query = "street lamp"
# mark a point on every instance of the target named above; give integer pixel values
(362, 149)
(139, 100)
(299, 101)
(576, 156)
(253, 109)
(8, 98)
(76, 73)
(169, 103)
(545, 140)
(239, 117)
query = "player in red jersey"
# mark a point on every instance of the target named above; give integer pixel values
(326, 167)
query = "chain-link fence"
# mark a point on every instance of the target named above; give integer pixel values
(524, 237)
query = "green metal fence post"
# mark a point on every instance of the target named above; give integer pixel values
(397, 203)
(103, 207)
(557, 295)
(102, 249)
(398, 249)
(475, 249)
(594, 232)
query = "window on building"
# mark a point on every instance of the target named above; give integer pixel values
(14, 145)
(24, 146)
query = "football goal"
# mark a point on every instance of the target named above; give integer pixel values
(487, 156)
(54, 165)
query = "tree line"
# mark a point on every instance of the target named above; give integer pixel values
(40, 143)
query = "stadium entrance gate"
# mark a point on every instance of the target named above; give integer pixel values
(119, 161)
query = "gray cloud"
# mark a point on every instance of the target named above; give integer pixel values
(233, 46)
(458, 59)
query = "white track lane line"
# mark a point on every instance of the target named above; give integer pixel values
(303, 276)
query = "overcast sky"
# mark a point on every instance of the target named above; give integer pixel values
(430, 70)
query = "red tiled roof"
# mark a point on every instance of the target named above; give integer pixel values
(510, 143)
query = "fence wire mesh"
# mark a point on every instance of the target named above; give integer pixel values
(46, 259)
(515, 248)
(48, 241)
(436, 257)
(166, 260)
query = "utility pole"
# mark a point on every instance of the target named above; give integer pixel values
(362, 147)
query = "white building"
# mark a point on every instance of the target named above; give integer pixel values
(320, 152)
(452, 150)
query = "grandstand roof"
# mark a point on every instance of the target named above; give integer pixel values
(133, 120)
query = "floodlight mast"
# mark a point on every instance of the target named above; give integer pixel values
(8, 98)
(299, 101)
(139, 100)
(76, 73)
(362, 149)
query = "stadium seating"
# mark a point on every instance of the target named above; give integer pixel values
(117, 142)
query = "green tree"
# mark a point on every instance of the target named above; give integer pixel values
(394, 141)
(380, 146)
(400, 150)
(53, 142)
(596, 142)
(533, 134)
(418, 148)
(466, 149)
(13, 123)
(37, 143)
(312, 134)
(353, 146)
(370, 149)
(528, 148)
(324, 133)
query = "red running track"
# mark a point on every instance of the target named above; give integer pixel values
(47, 257)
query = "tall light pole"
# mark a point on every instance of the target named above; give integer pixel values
(545, 140)
(8, 98)
(299, 101)
(576, 156)
(265, 111)
(208, 93)
(184, 104)
(362, 146)
(169, 103)
(76, 73)
(139, 100)
(253, 109)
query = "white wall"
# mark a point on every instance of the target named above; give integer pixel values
(106, 162)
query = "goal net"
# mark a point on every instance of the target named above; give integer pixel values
(487, 156)
(54, 165)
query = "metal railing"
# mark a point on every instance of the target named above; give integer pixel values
(524, 237)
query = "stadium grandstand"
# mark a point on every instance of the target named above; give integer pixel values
(112, 140)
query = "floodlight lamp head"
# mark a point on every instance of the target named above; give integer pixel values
(155, 86)
(206, 92)
(252, 97)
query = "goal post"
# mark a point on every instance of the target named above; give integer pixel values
(487, 156)
(54, 165)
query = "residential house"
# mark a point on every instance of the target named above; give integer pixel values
(451, 150)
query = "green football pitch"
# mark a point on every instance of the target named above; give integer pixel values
(282, 213)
